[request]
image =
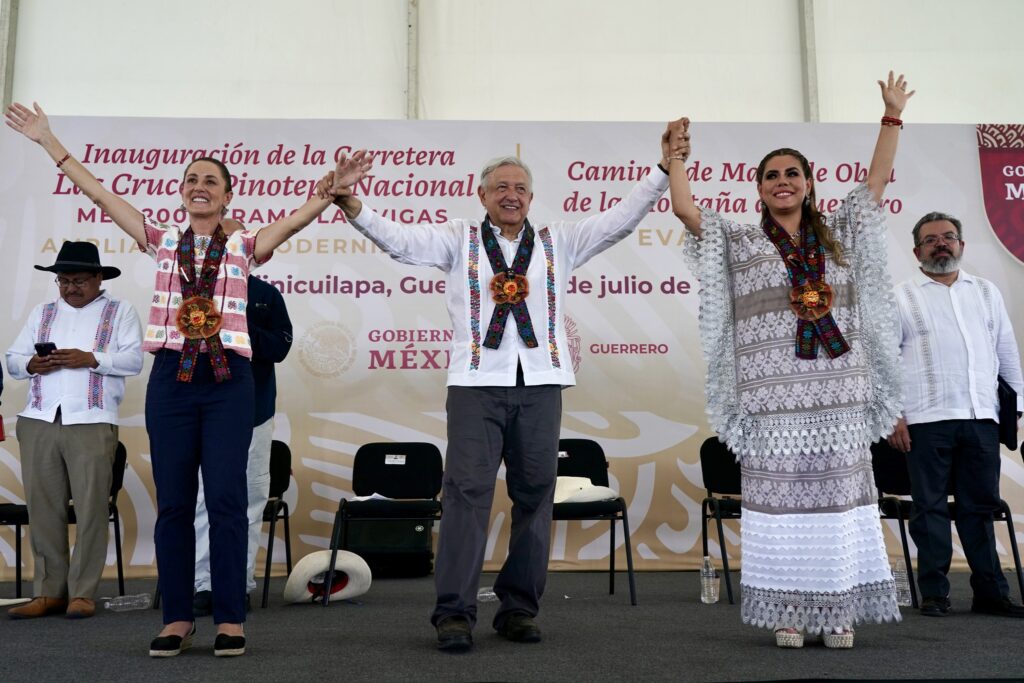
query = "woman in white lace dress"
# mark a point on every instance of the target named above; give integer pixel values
(805, 304)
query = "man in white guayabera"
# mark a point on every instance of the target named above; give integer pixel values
(505, 291)
(75, 352)
(957, 341)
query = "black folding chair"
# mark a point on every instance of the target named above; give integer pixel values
(12, 514)
(892, 479)
(585, 458)
(408, 475)
(721, 475)
(277, 508)
(17, 516)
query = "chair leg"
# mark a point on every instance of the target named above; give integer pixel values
(611, 557)
(335, 540)
(270, 559)
(704, 526)
(629, 555)
(725, 554)
(906, 560)
(17, 560)
(1013, 546)
(156, 594)
(115, 517)
(287, 539)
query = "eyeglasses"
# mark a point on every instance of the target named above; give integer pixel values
(64, 283)
(932, 240)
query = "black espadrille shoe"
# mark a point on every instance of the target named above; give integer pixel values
(228, 646)
(171, 646)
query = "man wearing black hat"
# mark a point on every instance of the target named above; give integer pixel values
(75, 352)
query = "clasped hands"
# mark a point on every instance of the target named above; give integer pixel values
(675, 141)
(62, 359)
(349, 170)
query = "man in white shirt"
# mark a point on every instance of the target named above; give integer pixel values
(956, 340)
(75, 352)
(505, 291)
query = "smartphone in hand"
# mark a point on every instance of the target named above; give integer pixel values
(44, 349)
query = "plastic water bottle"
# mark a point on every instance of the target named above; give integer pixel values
(126, 603)
(486, 594)
(899, 575)
(708, 582)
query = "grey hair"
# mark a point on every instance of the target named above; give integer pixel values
(495, 164)
(931, 218)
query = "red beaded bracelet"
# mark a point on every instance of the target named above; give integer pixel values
(66, 157)
(892, 121)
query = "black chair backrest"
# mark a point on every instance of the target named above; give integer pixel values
(280, 468)
(890, 467)
(718, 468)
(582, 458)
(397, 470)
(120, 463)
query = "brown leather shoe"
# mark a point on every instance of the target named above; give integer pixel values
(38, 607)
(81, 608)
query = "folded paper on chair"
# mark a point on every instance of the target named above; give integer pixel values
(581, 490)
(372, 496)
(1007, 414)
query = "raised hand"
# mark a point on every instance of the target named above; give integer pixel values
(675, 141)
(350, 170)
(32, 124)
(895, 95)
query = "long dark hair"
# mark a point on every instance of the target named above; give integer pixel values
(809, 214)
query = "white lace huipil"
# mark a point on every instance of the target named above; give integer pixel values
(813, 553)
(763, 400)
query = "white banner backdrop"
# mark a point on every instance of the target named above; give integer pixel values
(370, 351)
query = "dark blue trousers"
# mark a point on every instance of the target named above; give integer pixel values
(959, 457)
(193, 426)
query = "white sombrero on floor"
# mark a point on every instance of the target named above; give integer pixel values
(306, 582)
(581, 490)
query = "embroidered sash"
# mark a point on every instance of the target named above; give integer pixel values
(509, 287)
(198, 318)
(104, 333)
(811, 297)
(45, 325)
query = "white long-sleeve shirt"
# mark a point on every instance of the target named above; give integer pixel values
(955, 342)
(70, 389)
(559, 247)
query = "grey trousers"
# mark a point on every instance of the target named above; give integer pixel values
(487, 425)
(59, 463)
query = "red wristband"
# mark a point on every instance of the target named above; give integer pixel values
(892, 121)
(66, 157)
